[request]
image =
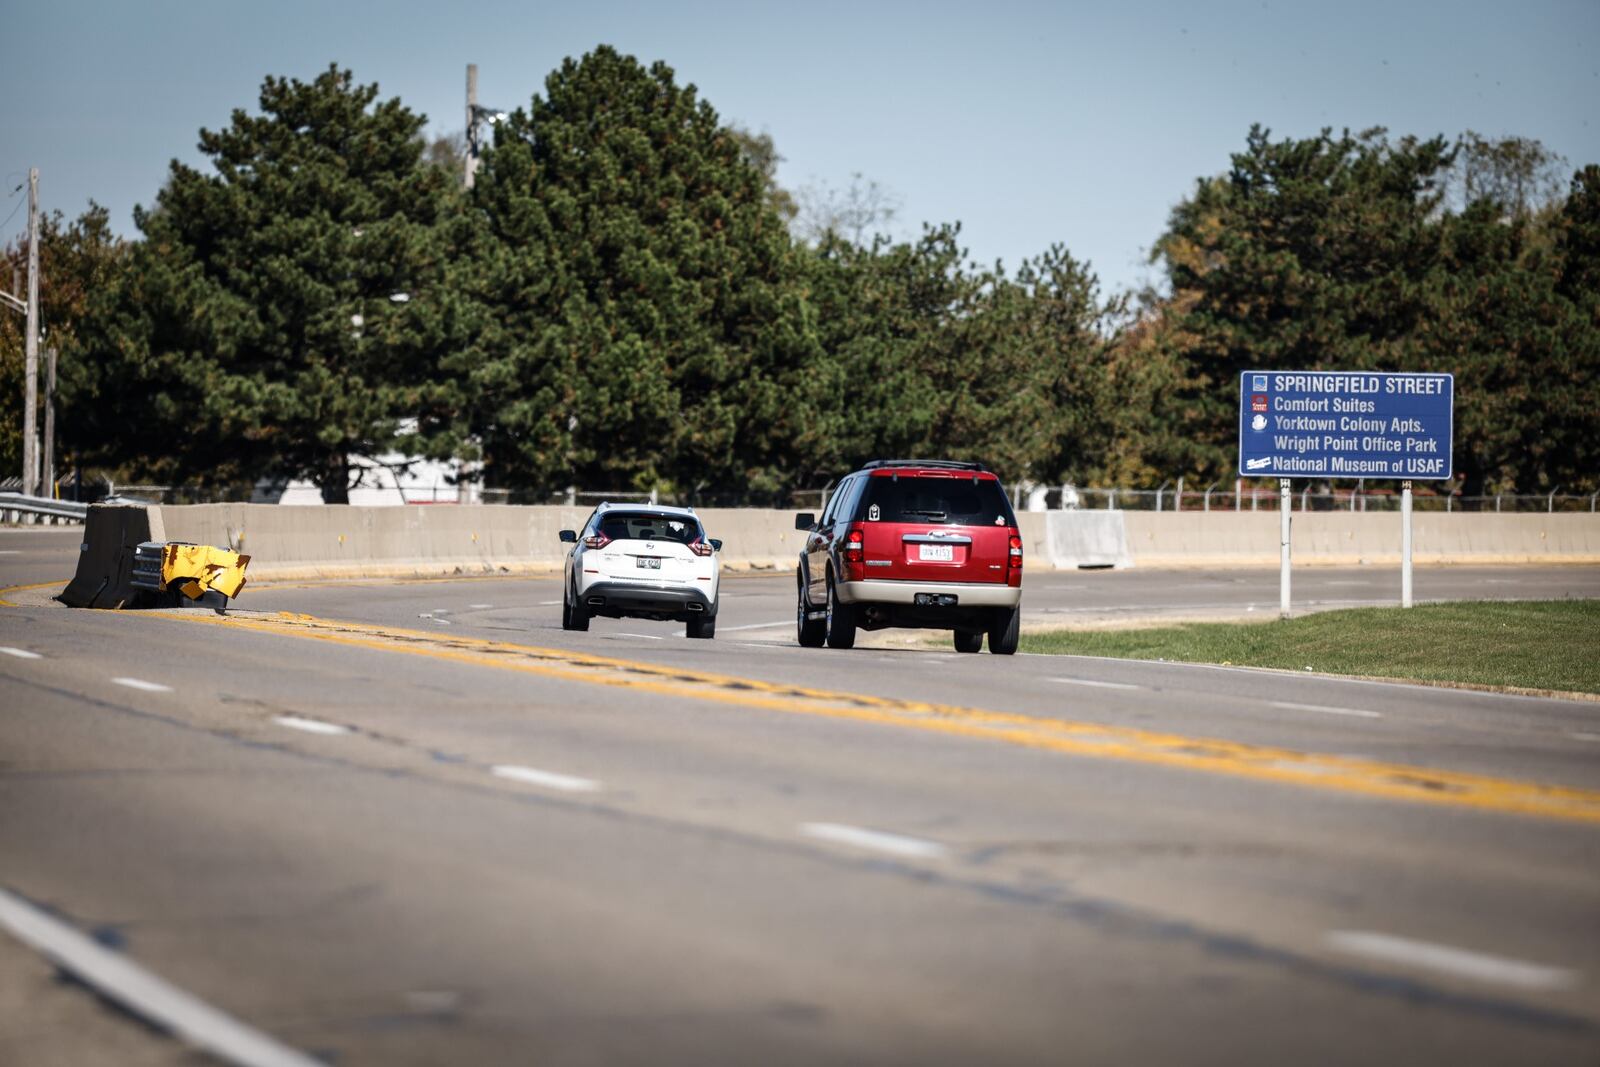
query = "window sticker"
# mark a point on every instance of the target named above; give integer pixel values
(873, 513)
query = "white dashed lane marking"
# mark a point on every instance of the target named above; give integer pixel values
(1450, 960)
(643, 637)
(480, 607)
(310, 726)
(142, 685)
(756, 626)
(547, 779)
(20, 653)
(1579, 735)
(1327, 709)
(1095, 684)
(874, 840)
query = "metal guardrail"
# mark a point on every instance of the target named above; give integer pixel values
(43, 505)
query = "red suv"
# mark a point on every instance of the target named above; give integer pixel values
(912, 542)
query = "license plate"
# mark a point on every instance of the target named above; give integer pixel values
(649, 563)
(937, 553)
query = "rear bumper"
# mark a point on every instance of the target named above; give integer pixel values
(626, 598)
(968, 594)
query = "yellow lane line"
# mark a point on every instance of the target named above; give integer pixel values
(4, 603)
(1212, 755)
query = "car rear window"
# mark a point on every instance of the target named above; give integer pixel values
(952, 501)
(643, 526)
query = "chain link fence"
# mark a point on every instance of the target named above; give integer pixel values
(1232, 496)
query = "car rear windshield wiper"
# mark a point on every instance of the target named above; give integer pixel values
(936, 516)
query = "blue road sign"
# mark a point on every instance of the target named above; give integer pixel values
(1339, 424)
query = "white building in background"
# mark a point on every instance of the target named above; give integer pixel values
(390, 479)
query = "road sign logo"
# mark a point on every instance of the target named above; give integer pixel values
(1258, 382)
(1257, 464)
(1258, 423)
(1258, 401)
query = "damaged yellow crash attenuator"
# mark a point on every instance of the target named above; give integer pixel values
(205, 568)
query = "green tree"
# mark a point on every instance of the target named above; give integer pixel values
(1310, 253)
(927, 355)
(284, 313)
(641, 325)
(77, 259)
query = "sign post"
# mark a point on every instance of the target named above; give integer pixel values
(1346, 424)
(1405, 544)
(1285, 502)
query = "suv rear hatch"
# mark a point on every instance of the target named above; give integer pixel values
(646, 548)
(935, 526)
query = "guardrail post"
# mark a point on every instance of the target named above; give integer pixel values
(1497, 503)
(1159, 493)
(1111, 501)
(1238, 486)
(1210, 487)
(1591, 501)
(1550, 501)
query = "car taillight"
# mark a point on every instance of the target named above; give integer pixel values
(1014, 561)
(853, 547)
(1016, 548)
(854, 555)
(700, 548)
(597, 541)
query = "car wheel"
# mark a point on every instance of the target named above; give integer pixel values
(809, 632)
(574, 616)
(969, 640)
(702, 628)
(841, 620)
(1003, 631)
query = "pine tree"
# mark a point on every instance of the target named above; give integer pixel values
(284, 313)
(641, 325)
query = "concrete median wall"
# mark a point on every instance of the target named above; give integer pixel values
(1209, 539)
(289, 542)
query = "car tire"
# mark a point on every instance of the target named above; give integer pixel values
(969, 640)
(574, 616)
(841, 620)
(701, 629)
(809, 632)
(1003, 632)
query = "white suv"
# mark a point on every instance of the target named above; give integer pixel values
(644, 562)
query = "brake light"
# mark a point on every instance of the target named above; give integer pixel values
(854, 555)
(1016, 547)
(1014, 561)
(853, 547)
(700, 548)
(597, 541)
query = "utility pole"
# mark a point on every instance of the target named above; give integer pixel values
(49, 487)
(30, 373)
(472, 123)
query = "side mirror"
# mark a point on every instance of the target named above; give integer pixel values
(805, 521)
(716, 544)
(569, 537)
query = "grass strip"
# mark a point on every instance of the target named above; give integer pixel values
(1529, 644)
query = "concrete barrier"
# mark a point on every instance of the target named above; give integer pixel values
(296, 542)
(1250, 539)
(1087, 539)
(105, 558)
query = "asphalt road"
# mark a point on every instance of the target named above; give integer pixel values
(446, 831)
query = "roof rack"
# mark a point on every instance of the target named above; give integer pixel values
(949, 464)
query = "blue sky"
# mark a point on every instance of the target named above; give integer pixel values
(1031, 124)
